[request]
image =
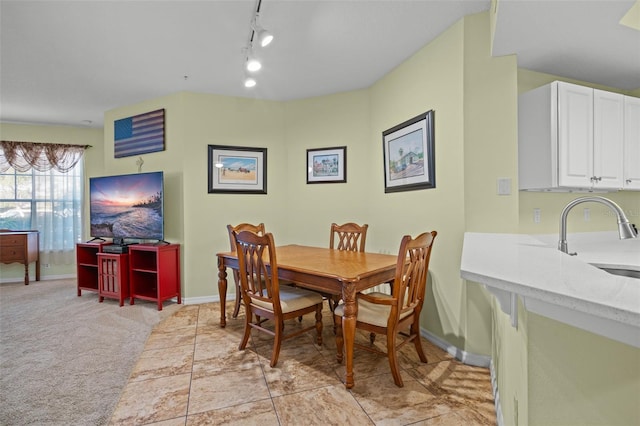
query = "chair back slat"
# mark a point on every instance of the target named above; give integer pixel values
(350, 236)
(258, 268)
(257, 229)
(411, 273)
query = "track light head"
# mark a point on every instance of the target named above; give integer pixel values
(249, 82)
(263, 36)
(253, 64)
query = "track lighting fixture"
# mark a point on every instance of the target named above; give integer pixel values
(258, 35)
(263, 36)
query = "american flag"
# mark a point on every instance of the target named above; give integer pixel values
(139, 134)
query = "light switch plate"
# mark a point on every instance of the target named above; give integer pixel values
(504, 186)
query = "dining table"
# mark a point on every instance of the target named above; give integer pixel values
(328, 271)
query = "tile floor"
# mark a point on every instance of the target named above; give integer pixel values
(192, 373)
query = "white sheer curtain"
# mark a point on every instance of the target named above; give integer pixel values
(47, 182)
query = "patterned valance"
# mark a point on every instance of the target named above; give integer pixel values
(43, 157)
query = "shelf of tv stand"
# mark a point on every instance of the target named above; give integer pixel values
(87, 265)
(154, 272)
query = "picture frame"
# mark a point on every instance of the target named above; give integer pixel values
(327, 165)
(409, 154)
(237, 170)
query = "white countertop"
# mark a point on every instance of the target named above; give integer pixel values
(551, 283)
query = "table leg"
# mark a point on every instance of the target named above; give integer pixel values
(349, 328)
(222, 291)
(26, 273)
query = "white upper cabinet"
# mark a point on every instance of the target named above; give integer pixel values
(571, 138)
(608, 139)
(631, 152)
(575, 135)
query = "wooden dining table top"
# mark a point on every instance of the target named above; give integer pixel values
(296, 261)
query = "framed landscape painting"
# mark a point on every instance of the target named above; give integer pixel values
(409, 157)
(327, 165)
(237, 170)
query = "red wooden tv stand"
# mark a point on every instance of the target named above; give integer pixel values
(154, 272)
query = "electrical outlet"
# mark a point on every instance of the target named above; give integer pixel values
(536, 215)
(46, 265)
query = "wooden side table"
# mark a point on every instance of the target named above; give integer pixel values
(21, 247)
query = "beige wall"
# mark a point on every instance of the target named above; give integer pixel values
(218, 120)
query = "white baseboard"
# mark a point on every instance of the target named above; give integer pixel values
(496, 395)
(32, 279)
(200, 299)
(462, 356)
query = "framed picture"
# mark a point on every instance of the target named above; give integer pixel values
(409, 157)
(237, 170)
(140, 134)
(327, 165)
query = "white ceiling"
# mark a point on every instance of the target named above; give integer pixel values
(66, 62)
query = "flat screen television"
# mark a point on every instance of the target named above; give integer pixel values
(127, 206)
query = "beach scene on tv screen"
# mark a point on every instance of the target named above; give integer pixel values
(127, 206)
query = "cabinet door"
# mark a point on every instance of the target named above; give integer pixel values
(575, 135)
(608, 139)
(631, 174)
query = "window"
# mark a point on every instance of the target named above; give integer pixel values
(48, 201)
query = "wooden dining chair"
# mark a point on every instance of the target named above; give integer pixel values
(258, 229)
(380, 313)
(263, 296)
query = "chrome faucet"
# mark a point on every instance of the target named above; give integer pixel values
(625, 229)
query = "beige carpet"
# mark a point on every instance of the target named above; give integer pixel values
(64, 360)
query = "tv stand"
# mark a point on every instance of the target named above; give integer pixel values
(148, 272)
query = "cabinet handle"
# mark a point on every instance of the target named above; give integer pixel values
(628, 180)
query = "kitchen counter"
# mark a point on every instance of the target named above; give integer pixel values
(562, 287)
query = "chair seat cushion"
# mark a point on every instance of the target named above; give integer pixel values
(372, 313)
(292, 299)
